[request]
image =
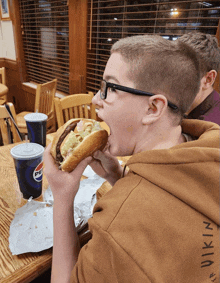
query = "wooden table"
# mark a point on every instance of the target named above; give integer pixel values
(25, 267)
(16, 268)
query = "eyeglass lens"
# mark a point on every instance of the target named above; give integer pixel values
(102, 90)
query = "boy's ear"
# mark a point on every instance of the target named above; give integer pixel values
(157, 104)
(209, 79)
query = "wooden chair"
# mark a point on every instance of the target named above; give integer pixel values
(4, 126)
(3, 98)
(74, 106)
(44, 103)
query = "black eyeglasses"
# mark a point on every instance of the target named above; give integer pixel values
(105, 85)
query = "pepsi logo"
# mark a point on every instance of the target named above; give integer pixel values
(38, 172)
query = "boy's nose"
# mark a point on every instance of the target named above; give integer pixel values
(96, 99)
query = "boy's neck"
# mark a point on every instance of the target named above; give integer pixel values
(161, 136)
(201, 96)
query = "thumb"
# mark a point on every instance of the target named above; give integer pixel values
(97, 154)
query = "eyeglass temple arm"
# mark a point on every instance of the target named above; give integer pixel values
(138, 92)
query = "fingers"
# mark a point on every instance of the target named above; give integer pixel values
(103, 156)
(47, 150)
(106, 147)
(96, 154)
(82, 166)
(50, 167)
(95, 163)
(48, 160)
(100, 155)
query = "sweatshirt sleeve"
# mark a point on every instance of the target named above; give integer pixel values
(103, 260)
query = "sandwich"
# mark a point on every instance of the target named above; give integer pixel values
(76, 140)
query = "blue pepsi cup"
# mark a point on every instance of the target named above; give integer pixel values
(37, 127)
(28, 160)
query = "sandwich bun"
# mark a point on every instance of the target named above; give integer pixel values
(76, 140)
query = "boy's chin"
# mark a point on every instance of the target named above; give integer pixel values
(113, 149)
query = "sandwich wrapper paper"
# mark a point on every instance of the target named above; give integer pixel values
(32, 227)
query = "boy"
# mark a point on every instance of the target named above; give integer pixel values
(160, 222)
(206, 105)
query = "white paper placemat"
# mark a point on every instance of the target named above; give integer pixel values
(32, 227)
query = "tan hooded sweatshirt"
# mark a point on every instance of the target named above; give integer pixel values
(160, 223)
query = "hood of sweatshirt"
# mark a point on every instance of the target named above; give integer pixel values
(191, 171)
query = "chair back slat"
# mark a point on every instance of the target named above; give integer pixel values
(86, 112)
(4, 133)
(44, 102)
(3, 76)
(76, 112)
(3, 125)
(78, 105)
(66, 114)
(3, 98)
(45, 97)
(80, 112)
(71, 113)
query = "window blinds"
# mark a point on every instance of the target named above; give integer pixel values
(109, 21)
(45, 32)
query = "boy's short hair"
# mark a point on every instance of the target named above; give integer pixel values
(206, 45)
(163, 67)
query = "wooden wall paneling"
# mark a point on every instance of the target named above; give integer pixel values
(77, 45)
(15, 70)
(12, 79)
(23, 98)
(217, 81)
(15, 17)
(2, 62)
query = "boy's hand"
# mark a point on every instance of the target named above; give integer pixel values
(106, 166)
(64, 185)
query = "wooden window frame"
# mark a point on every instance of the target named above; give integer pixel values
(136, 18)
(77, 48)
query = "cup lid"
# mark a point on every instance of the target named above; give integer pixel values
(27, 151)
(35, 117)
